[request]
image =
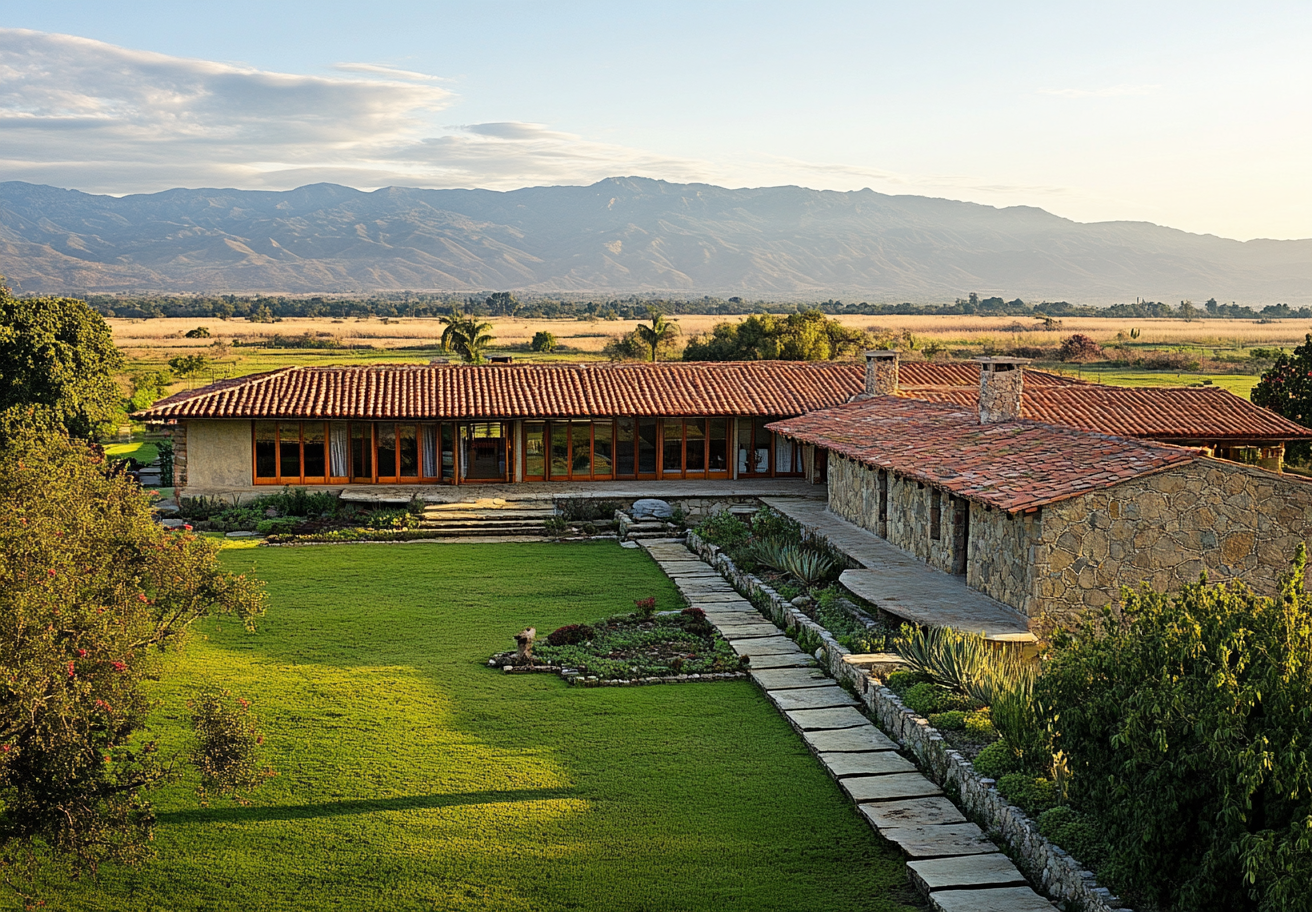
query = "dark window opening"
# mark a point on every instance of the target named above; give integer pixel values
(935, 514)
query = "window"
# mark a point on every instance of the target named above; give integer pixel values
(362, 452)
(290, 452)
(385, 449)
(315, 452)
(602, 447)
(535, 450)
(581, 449)
(625, 451)
(266, 449)
(672, 447)
(883, 503)
(695, 447)
(647, 446)
(717, 445)
(935, 514)
(407, 451)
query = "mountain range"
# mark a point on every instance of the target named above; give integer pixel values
(620, 235)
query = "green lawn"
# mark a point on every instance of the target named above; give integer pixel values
(411, 776)
(143, 452)
(1239, 384)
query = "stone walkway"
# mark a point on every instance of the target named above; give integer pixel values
(949, 858)
(904, 586)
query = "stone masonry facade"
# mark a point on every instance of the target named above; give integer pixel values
(1235, 522)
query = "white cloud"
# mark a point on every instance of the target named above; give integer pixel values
(1115, 91)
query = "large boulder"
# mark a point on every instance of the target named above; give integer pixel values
(651, 508)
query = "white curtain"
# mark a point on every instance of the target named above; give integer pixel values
(338, 449)
(783, 454)
(430, 451)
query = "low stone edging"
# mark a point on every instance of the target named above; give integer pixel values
(1046, 864)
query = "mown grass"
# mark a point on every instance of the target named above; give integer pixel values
(1239, 384)
(142, 451)
(411, 776)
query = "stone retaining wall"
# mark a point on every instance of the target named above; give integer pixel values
(1050, 867)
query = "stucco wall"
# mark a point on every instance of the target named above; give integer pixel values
(1234, 521)
(218, 454)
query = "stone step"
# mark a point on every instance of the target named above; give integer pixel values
(793, 660)
(998, 899)
(937, 841)
(995, 870)
(866, 738)
(640, 536)
(890, 788)
(912, 812)
(445, 515)
(811, 698)
(871, 763)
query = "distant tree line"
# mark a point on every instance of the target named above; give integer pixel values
(271, 308)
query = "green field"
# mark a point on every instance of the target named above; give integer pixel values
(1239, 384)
(143, 452)
(411, 776)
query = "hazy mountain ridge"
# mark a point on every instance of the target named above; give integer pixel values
(618, 235)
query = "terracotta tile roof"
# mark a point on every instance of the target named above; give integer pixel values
(955, 374)
(1014, 466)
(560, 390)
(1154, 413)
(759, 388)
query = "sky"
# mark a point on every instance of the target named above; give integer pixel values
(1193, 115)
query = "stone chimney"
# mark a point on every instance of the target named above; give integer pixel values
(881, 373)
(1001, 384)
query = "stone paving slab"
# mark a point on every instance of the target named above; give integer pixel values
(784, 678)
(840, 717)
(811, 698)
(746, 631)
(729, 596)
(998, 899)
(869, 763)
(915, 812)
(937, 841)
(794, 660)
(734, 614)
(994, 870)
(849, 739)
(778, 645)
(889, 788)
(727, 619)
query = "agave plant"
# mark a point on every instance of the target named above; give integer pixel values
(965, 662)
(808, 567)
(768, 552)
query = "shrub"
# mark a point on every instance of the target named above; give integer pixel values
(952, 720)
(283, 525)
(927, 699)
(1079, 347)
(694, 621)
(555, 525)
(543, 341)
(228, 749)
(1032, 794)
(722, 529)
(767, 523)
(392, 519)
(767, 552)
(1186, 723)
(644, 608)
(200, 332)
(571, 635)
(996, 761)
(980, 725)
(902, 681)
(1016, 718)
(1079, 834)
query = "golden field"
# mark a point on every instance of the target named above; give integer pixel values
(151, 339)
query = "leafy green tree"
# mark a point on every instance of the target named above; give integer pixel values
(660, 334)
(1187, 726)
(91, 592)
(188, 365)
(467, 337)
(804, 336)
(543, 341)
(1286, 389)
(59, 354)
(502, 303)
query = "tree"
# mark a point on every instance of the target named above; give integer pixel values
(543, 341)
(188, 365)
(1286, 389)
(1187, 725)
(92, 590)
(804, 336)
(59, 354)
(1080, 347)
(467, 337)
(661, 333)
(502, 303)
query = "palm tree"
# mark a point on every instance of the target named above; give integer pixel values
(660, 332)
(467, 337)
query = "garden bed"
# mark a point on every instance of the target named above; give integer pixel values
(642, 647)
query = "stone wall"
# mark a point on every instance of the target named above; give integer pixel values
(1232, 521)
(218, 454)
(178, 434)
(1000, 551)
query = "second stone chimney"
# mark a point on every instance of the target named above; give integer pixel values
(1001, 385)
(881, 373)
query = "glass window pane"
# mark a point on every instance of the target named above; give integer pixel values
(672, 452)
(559, 449)
(785, 453)
(581, 449)
(624, 447)
(761, 446)
(717, 445)
(362, 451)
(407, 450)
(386, 434)
(339, 448)
(647, 446)
(535, 449)
(484, 451)
(428, 450)
(695, 448)
(289, 450)
(602, 446)
(745, 461)
(312, 438)
(266, 449)
(448, 452)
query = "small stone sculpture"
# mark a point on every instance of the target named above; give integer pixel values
(524, 641)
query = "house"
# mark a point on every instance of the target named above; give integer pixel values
(1050, 500)
(453, 424)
